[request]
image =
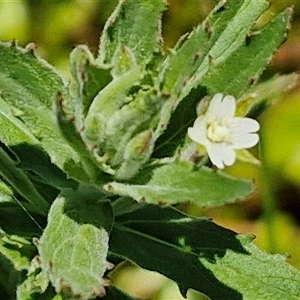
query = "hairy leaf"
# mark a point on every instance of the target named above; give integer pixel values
(89, 79)
(74, 245)
(28, 85)
(223, 31)
(136, 25)
(179, 182)
(265, 94)
(245, 64)
(257, 275)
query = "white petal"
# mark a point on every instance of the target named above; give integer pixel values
(243, 125)
(243, 134)
(222, 109)
(215, 154)
(221, 154)
(244, 141)
(198, 132)
(228, 106)
(215, 103)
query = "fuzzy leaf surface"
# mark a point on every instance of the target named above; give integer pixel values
(89, 79)
(74, 245)
(248, 61)
(257, 275)
(261, 96)
(136, 25)
(178, 182)
(222, 32)
(28, 85)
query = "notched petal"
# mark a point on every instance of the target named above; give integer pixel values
(214, 152)
(244, 141)
(243, 125)
(222, 109)
(198, 132)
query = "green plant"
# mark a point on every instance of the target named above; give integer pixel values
(108, 154)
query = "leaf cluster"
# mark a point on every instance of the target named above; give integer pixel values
(90, 170)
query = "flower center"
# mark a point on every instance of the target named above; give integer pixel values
(217, 133)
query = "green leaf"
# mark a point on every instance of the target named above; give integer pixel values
(245, 64)
(136, 25)
(223, 31)
(16, 220)
(74, 245)
(36, 284)
(118, 126)
(15, 256)
(181, 119)
(267, 93)
(179, 182)
(68, 129)
(6, 193)
(34, 159)
(17, 250)
(16, 217)
(169, 242)
(107, 102)
(257, 275)
(89, 79)
(20, 182)
(13, 130)
(198, 254)
(28, 85)
(204, 49)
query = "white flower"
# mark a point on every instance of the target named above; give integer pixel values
(221, 132)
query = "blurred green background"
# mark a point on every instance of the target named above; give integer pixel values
(272, 213)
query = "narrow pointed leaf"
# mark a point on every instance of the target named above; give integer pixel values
(92, 173)
(245, 65)
(15, 220)
(20, 182)
(35, 160)
(261, 96)
(222, 32)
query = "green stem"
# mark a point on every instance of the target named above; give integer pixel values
(269, 203)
